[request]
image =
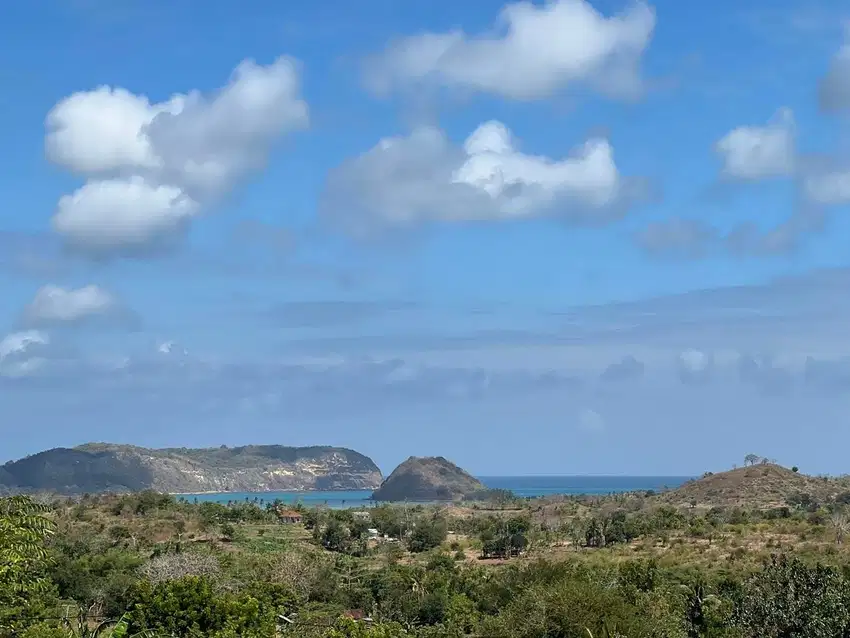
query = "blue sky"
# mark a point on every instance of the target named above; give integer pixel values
(548, 238)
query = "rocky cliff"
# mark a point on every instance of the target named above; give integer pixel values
(427, 479)
(102, 467)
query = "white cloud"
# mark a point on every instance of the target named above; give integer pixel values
(20, 342)
(172, 348)
(422, 177)
(128, 214)
(829, 187)
(53, 304)
(758, 152)
(534, 52)
(104, 130)
(19, 353)
(154, 166)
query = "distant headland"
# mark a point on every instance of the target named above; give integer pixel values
(106, 467)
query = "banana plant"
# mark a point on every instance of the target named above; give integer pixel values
(120, 628)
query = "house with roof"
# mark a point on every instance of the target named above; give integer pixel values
(288, 516)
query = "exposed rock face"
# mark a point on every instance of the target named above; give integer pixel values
(101, 467)
(427, 479)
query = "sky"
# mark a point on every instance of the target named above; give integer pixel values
(560, 237)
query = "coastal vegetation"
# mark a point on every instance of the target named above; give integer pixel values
(693, 562)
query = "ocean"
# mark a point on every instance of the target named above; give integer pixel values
(523, 486)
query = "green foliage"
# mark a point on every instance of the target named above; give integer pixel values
(24, 530)
(89, 574)
(788, 598)
(504, 538)
(154, 562)
(228, 531)
(192, 607)
(390, 521)
(347, 628)
(427, 534)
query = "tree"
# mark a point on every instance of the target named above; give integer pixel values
(427, 534)
(175, 566)
(791, 599)
(228, 531)
(192, 607)
(24, 529)
(841, 524)
(751, 459)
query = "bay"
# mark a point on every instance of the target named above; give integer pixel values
(523, 486)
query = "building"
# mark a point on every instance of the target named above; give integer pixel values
(288, 516)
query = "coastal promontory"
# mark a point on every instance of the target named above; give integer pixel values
(106, 467)
(427, 479)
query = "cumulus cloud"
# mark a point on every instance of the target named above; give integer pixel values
(411, 180)
(534, 52)
(20, 353)
(53, 305)
(153, 167)
(128, 214)
(834, 89)
(751, 153)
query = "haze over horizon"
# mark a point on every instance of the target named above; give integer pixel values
(549, 238)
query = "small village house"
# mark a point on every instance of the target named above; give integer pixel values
(288, 516)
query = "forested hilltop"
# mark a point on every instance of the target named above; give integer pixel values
(771, 562)
(106, 467)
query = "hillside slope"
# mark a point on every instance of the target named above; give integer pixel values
(764, 485)
(427, 479)
(101, 467)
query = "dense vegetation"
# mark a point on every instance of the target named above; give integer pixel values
(626, 565)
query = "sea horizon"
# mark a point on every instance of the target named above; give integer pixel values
(523, 486)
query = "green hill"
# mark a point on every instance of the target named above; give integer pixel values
(102, 467)
(427, 479)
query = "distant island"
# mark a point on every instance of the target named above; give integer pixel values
(428, 479)
(106, 467)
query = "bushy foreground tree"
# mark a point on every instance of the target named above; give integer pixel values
(24, 529)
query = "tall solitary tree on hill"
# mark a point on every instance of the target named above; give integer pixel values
(751, 459)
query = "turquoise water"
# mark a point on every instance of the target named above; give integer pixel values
(525, 486)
